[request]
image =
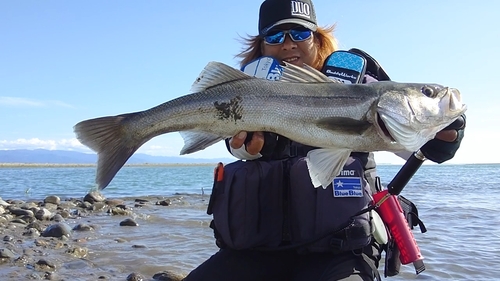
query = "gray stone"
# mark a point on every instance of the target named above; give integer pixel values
(119, 212)
(21, 212)
(128, 222)
(167, 276)
(31, 232)
(52, 199)
(94, 197)
(7, 238)
(135, 277)
(114, 202)
(36, 225)
(43, 214)
(44, 264)
(6, 253)
(98, 206)
(166, 202)
(83, 227)
(65, 214)
(3, 203)
(78, 252)
(57, 230)
(57, 218)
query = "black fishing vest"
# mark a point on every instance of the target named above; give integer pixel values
(272, 205)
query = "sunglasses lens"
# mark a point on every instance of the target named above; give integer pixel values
(276, 38)
(300, 35)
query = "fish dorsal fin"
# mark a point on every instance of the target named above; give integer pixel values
(216, 73)
(293, 73)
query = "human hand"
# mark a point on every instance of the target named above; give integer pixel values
(446, 142)
(253, 146)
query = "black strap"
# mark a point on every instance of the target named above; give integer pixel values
(373, 68)
(371, 263)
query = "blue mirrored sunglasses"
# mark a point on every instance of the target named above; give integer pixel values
(277, 38)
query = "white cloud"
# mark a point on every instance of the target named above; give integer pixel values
(25, 102)
(12, 101)
(159, 150)
(36, 143)
(165, 146)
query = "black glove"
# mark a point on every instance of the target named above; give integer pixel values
(440, 151)
(274, 146)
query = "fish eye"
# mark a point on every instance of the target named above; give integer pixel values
(432, 90)
(427, 90)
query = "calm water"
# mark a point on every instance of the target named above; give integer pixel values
(458, 204)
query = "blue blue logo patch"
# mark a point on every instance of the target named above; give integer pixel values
(347, 187)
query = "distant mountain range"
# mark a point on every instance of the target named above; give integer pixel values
(43, 156)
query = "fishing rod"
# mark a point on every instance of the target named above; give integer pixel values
(406, 173)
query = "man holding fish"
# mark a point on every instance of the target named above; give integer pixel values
(301, 253)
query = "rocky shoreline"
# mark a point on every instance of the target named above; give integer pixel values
(38, 240)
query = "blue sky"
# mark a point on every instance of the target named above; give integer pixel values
(66, 61)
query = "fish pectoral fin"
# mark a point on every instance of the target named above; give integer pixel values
(325, 164)
(196, 141)
(216, 73)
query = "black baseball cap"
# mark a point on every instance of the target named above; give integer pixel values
(277, 12)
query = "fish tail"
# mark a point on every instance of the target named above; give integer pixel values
(109, 139)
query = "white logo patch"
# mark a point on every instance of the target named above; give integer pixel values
(347, 187)
(301, 9)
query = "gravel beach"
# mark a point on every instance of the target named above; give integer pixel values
(53, 239)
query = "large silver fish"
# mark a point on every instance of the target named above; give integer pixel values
(304, 106)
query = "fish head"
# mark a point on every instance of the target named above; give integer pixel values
(412, 114)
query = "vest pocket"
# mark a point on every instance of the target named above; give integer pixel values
(247, 206)
(320, 216)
